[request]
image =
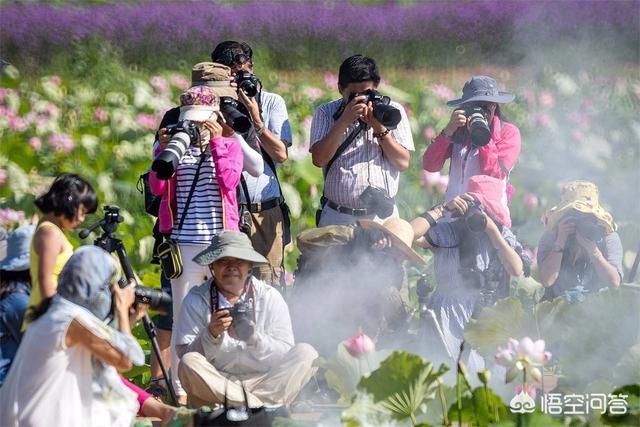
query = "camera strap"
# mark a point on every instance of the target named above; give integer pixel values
(249, 292)
(352, 136)
(193, 186)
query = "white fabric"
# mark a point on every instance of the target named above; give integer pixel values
(52, 385)
(197, 113)
(192, 275)
(273, 330)
(362, 163)
(252, 161)
(276, 119)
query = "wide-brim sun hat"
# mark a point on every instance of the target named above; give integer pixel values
(581, 196)
(481, 89)
(232, 244)
(214, 75)
(400, 233)
(198, 103)
(18, 249)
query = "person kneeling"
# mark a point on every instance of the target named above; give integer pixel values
(235, 328)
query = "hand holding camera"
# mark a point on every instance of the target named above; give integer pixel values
(458, 120)
(237, 320)
(356, 109)
(220, 322)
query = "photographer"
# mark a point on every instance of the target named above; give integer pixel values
(361, 178)
(477, 139)
(65, 370)
(475, 256)
(261, 195)
(579, 252)
(236, 327)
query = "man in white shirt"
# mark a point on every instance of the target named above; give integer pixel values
(262, 195)
(235, 328)
(362, 179)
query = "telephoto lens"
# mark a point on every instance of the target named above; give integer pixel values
(474, 219)
(182, 135)
(478, 124)
(230, 109)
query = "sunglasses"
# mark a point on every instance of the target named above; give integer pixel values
(230, 59)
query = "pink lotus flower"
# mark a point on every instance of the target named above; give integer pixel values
(313, 93)
(56, 80)
(61, 142)
(35, 143)
(442, 92)
(546, 99)
(159, 83)
(530, 201)
(524, 355)
(429, 133)
(179, 81)
(17, 124)
(543, 120)
(442, 184)
(100, 115)
(9, 216)
(360, 345)
(331, 80)
(146, 120)
(531, 390)
(289, 279)
(430, 179)
(3, 177)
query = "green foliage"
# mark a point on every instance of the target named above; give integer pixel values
(481, 407)
(632, 417)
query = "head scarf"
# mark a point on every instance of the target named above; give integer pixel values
(86, 280)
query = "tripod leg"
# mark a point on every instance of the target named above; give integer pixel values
(151, 332)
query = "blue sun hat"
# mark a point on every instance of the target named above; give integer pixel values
(481, 88)
(18, 249)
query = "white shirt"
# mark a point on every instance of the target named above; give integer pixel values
(50, 384)
(273, 330)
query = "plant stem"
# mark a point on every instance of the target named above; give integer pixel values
(486, 396)
(443, 403)
(459, 396)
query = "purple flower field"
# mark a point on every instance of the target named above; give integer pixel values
(411, 35)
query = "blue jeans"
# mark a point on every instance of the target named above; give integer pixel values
(12, 309)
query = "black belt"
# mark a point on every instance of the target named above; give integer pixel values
(263, 206)
(348, 211)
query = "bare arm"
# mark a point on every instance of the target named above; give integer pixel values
(274, 146)
(100, 348)
(47, 243)
(509, 258)
(549, 267)
(607, 272)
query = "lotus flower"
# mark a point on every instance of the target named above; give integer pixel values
(523, 355)
(35, 143)
(530, 390)
(360, 345)
(530, 201)
(429, 133)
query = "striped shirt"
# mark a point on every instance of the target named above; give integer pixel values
(362, 163)
(204, 216)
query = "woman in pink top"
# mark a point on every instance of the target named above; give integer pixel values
(476, 140)
(215, 163)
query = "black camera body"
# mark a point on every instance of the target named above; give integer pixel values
(589, 226)
(386, 114)
(474, 219)
(248, 82)
(235, 114)
(379, 201)
(478, 124)
(242, 314)
(183, 134)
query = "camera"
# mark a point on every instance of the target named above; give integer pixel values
(231, 110)
(242, 314)
(154, 298)
(386, 114)
(474, 219)
(589, 226)
(478, 124)
(182, 134)
(378, 201)
(248, 82)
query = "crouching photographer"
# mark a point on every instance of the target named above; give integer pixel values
(475, 254)
(580, 251)
(362, 141)
(234, 334)
(65, 371)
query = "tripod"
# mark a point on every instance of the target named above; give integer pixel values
(110, 243)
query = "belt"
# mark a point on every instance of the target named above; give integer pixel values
(348, 211)
(263, 206)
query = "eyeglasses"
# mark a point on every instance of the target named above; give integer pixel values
(230, 59)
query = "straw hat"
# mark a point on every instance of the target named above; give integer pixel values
(581, 196)
(401, 234)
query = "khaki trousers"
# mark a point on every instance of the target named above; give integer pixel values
(205, 385)
(266, 238)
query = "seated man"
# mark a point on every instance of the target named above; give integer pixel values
(235, 328)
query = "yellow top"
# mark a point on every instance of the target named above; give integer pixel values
(63, 257)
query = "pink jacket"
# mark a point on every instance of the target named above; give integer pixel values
(504, 147)
(227, 157)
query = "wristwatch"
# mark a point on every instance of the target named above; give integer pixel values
(557, 248)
